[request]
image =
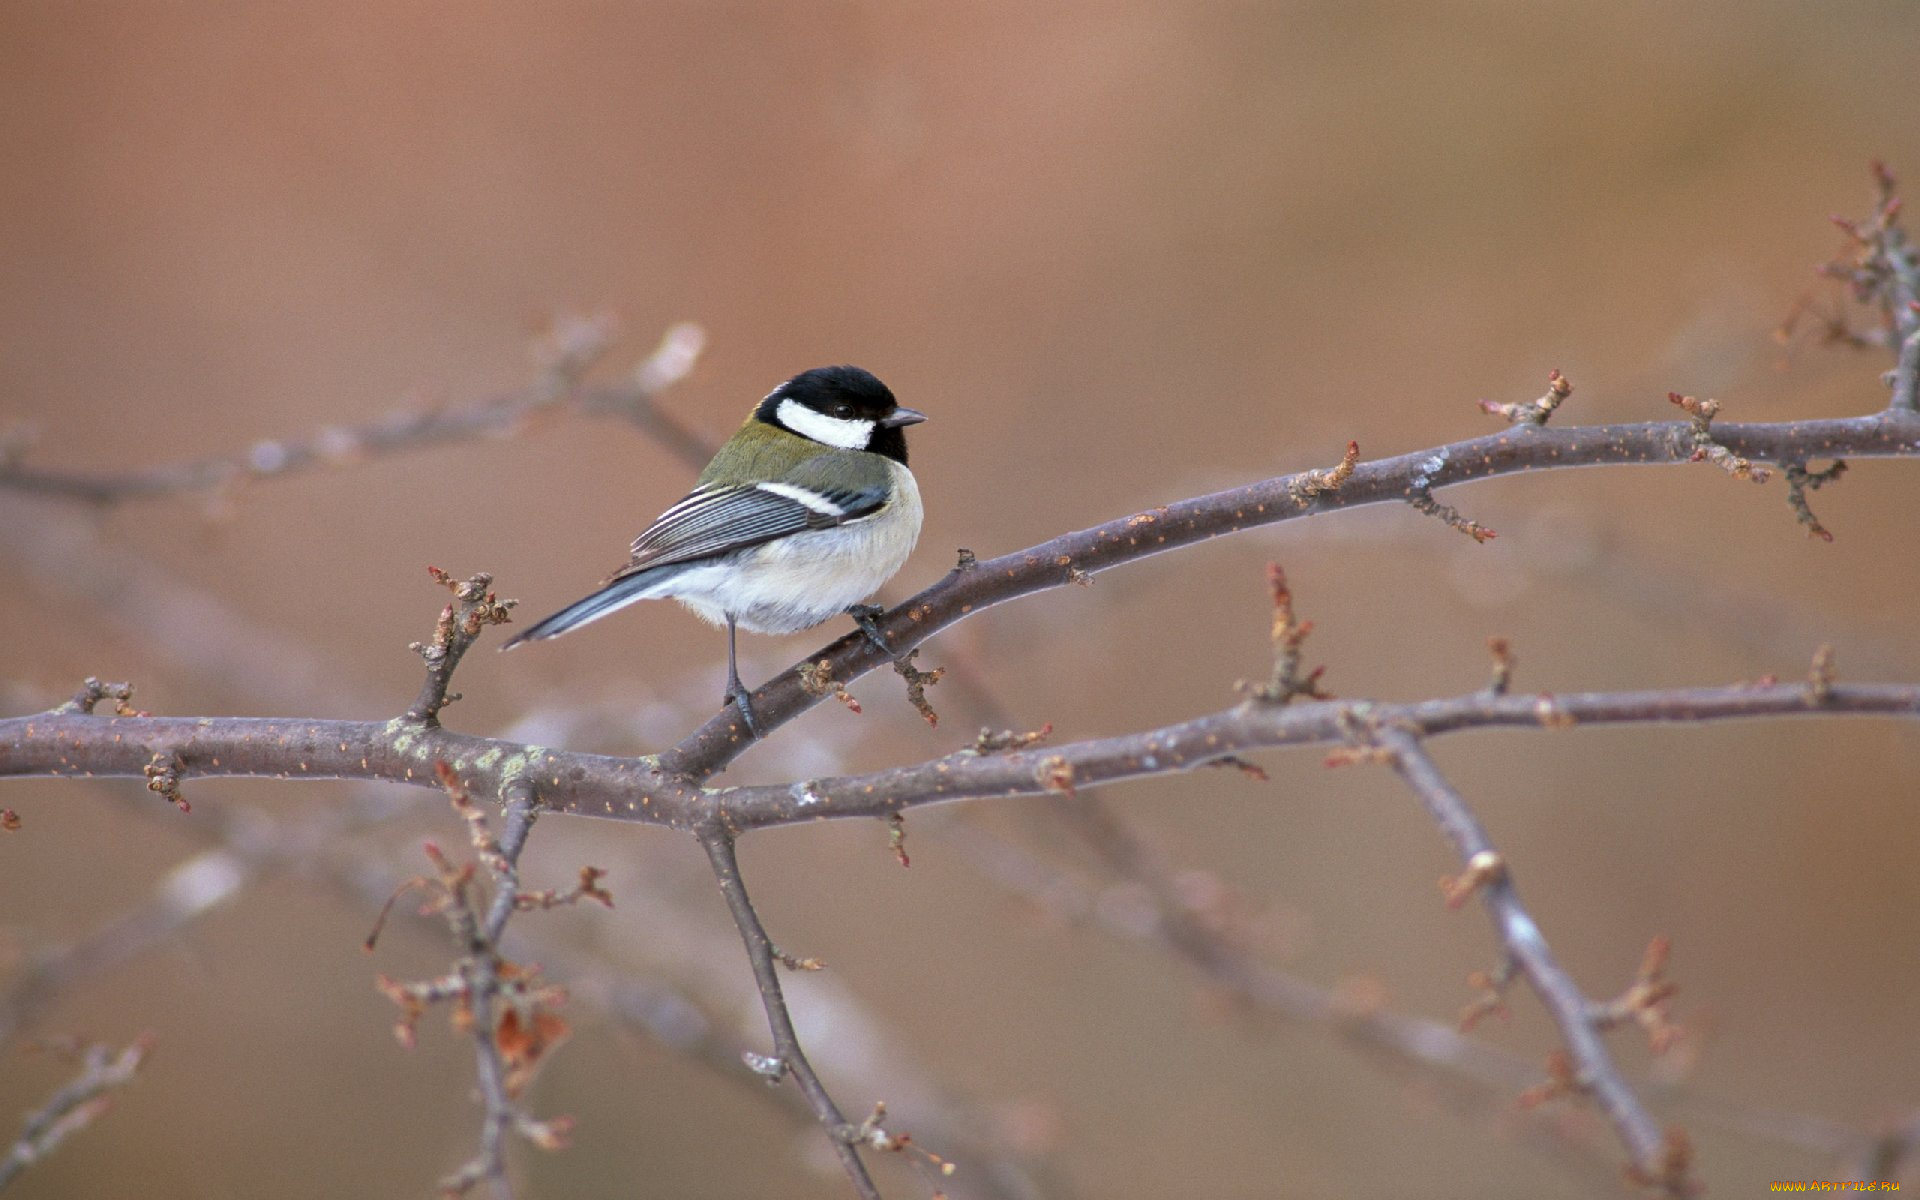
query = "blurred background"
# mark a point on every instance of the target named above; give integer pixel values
(1122, 254)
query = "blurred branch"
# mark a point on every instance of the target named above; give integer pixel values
(1884, 272)
(75, 1106)
(569, 350)
(1658, 1158)
(1474, 1074)
(251, 848)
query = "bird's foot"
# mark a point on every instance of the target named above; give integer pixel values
(738, 698)
(863, 615)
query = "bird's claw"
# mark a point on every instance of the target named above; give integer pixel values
(863, 615)
(742, 705)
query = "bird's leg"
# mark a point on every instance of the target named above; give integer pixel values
(863, 615)
(737, 691)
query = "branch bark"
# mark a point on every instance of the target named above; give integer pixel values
(789, 1058)
(638, 789)
(972, 588)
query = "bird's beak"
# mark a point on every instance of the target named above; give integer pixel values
(902, 416)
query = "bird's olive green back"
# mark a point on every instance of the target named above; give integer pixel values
(762, 453)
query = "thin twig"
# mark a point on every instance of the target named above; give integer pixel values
(788, 1058)
(573, 347)
(74, 1106)
(483, 976)
(453, 635)
(501, 1005)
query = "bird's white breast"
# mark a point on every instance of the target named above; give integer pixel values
(799, 581)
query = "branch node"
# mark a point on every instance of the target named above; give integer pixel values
(164, 772)
(1562, 1082)
(1288, 635)
(554, 1133)
(1484, 868)
(1420, 495)
(1309, 484)
(794, 963)
(873, 1134)
(1551, 714)
(1671, 1173)
(1007, 741)
(671, 361)
(769, 1067)
(1645, 1001)
(1820, 677)
(1503, 664)
(966, 561)
(816, 679)
(1800, 481)
(1251, 770)
(1700, 413)
(1055, 774)
(587, 888)
(1492, 1000)
(918, 682)
(457, 628)
(897, 838)
(92, 692)
(1362, 729)
(1535, 413)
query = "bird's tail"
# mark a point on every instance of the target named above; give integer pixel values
(614, 596)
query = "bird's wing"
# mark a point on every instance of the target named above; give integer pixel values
(713, 521)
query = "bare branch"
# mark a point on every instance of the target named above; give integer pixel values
(1522, 943)
(417, 750)
(1182, 747)
(75, 1106)
(455, 633)
(1534, 412)
(964, 593)
(570, 349)
(788, 1057)
(1884, 271)
(637, 789)
(504, 1007)
(92, 692)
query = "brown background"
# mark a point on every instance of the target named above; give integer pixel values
(1121, 253)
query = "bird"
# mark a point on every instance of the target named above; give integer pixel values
(802, 514)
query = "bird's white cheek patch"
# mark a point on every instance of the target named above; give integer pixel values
(845, 432)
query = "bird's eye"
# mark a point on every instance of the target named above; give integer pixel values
(843, 411)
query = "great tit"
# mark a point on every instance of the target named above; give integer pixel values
(804, 512)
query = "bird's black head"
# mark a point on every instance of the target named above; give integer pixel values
(841, 406)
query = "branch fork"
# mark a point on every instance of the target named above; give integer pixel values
(1535, 413)
(506, 1008)
(1701, 414)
